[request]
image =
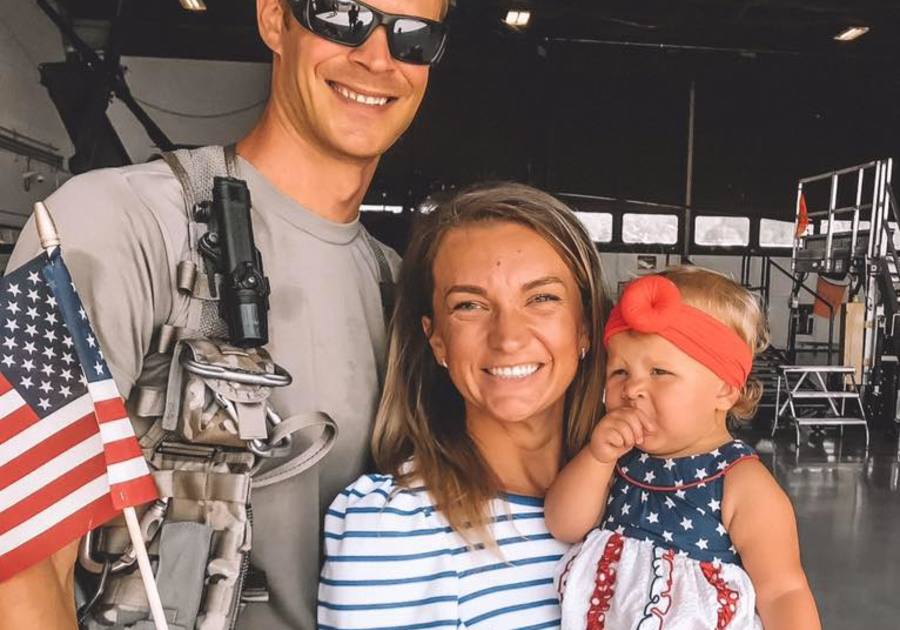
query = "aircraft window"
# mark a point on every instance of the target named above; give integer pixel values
(380, 208)
(774, 233)
(841, 226)
(598, 224)
(650, 228)
(722, 231)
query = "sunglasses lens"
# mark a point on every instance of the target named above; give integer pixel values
(416, 41)
(342, 21)
(350, 23)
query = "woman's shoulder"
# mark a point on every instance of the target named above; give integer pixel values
(388, 559)
(379, 503)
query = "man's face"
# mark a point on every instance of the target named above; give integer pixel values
(352, 102)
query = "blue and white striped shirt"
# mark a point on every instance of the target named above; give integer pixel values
(391, 561)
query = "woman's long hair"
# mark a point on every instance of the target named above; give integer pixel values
(420, 430)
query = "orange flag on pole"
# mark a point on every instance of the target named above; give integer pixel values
(802, 217)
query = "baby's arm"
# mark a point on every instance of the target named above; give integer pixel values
(577, 498)
(760, 520)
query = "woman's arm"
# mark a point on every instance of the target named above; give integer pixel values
(41, 596)
(760, 521)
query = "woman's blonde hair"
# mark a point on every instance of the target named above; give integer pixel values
(420, 430)
(733, 305)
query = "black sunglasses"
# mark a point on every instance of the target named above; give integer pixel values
(411, 39)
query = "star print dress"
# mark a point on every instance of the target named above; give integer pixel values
(661, 558)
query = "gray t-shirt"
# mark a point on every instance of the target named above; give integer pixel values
(123, 232)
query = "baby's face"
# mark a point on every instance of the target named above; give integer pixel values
(685, 400)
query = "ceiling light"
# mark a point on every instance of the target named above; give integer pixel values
(193, 5)
(517, 18)
(848, 35)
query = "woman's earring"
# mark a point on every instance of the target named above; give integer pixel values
(583, 353)
(443, 363)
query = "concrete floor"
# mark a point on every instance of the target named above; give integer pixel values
(848, 511)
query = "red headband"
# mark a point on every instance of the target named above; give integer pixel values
(652, 304)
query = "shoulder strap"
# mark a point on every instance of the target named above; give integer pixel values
(195, 170)
(385, 277)
(317, 428)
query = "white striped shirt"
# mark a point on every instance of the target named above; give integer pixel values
(391, 561)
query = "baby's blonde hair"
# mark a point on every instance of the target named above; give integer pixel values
(733, 305)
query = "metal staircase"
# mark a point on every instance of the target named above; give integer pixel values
(766, 371)
(851, 233)
(818, 395)
(865, 251)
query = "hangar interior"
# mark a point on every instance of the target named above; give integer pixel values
(746, 136)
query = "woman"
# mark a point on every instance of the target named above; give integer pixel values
(495, 378)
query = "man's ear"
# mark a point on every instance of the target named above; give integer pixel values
(435, 340)
(271, 21)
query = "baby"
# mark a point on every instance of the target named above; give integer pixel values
(686, 529)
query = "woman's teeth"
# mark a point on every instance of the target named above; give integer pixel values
(359, 98)
(514, 371)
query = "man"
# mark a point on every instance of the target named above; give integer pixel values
(335, 106)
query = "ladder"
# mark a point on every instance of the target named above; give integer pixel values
(804, 397)
(889, 277)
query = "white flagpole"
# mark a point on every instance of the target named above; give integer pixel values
(137, 540)
(50, 241)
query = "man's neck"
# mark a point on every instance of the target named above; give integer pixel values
(326, 185)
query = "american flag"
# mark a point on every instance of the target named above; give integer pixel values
(69, 459)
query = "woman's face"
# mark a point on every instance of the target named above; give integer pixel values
(508, 321)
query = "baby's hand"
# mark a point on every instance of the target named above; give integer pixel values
(618, 432)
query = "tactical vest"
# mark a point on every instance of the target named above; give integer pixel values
(211, 436)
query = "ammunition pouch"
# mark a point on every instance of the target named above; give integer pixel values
(201, 551)
(207, 452)
(224, 394)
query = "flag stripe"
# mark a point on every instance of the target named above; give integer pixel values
(127, 470)
(4, 385)
(55, 538)
(59, 511)
(134, 492)
(43, 474)
(17, 421)
(122, 450)
(110, 410)
(9, 402)
(104, 390)
(48, 449)
(40, 431)
(115, 431)
(52, 492)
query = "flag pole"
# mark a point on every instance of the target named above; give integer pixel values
(50, 241)
(137, 540)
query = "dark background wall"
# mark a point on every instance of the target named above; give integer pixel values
(613, 121)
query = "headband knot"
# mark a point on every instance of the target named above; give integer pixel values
(648, 306)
